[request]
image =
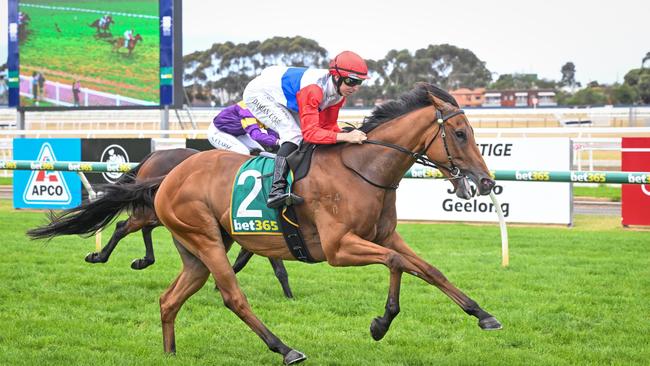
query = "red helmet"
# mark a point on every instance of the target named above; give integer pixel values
(348, 64)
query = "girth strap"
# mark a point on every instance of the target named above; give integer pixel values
(292, 236)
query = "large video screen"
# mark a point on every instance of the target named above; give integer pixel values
(85, 53)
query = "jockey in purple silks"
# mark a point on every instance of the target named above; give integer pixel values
(236, 129)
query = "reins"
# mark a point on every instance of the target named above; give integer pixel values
(420, 157)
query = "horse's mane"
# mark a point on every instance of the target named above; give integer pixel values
(407, 102)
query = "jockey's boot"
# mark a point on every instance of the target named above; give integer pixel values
(279, 196)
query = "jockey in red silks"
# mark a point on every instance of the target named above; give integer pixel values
(304, 103)
(236, 129)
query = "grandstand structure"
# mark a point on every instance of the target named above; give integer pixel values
(117, 119)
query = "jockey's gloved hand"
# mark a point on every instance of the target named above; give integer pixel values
(254, 151)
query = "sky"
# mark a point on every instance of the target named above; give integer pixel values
(604, 39)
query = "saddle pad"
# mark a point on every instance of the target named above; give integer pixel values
(250, 190)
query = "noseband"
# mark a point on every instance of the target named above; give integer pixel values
(420, 157)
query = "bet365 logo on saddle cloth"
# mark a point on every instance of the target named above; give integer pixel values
(250, 190)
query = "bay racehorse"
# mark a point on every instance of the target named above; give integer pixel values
(348, 217)
(119, 43)
(156, 164)
(102, 28)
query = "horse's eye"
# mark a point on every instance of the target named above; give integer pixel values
(461, 135)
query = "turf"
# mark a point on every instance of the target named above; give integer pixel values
(602, 191)
(570, 296)
(72, 51)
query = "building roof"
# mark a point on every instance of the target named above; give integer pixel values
(467, 91)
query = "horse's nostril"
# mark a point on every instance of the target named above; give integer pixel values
(487, 184)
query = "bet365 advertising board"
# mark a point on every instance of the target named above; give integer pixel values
(524, 202)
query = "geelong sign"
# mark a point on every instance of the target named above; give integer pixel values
(533, 200)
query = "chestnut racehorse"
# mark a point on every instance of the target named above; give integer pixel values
(119, 43)
(348, 217)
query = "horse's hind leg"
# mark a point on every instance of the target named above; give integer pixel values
(433, 276)
(242, 260)
(278, 268)
(192, 277)
(282, 276)
(122, 229)
(213, 255)
(149, 258)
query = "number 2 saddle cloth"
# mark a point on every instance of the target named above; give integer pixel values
(249, 214)
(250, 190)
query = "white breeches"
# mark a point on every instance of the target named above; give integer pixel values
(225, 141)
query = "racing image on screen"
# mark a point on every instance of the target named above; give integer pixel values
(89, 53)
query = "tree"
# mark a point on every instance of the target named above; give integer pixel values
(223, 70)
(623, 94)
(451, 67)
(568, 75)
(521, 81)
(646, 58)
(643, 88)
(445, 65)
(588, 96)
(639, 80)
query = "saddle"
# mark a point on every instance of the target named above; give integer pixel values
(300, 160)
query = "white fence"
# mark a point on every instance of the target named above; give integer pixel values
(584, 140)
(62, 95)
(638, 116)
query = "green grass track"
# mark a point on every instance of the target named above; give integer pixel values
(571, 296)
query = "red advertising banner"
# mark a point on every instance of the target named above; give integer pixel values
(635, 200)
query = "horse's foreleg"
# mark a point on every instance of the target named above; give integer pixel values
(149, 258)
(355, 251)
(192, 277)
(380, 325)
(433, 276)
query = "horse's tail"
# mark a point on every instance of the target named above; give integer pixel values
(91, 216)
(130, 176)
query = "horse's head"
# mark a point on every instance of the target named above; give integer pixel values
(451, 146)
(138, 37)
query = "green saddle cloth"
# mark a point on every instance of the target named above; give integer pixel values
(250, 191)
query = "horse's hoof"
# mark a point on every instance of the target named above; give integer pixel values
(294, 357)
(490, 323)
(141, 263)
(288, 294)
(94, 258)
(378, 329)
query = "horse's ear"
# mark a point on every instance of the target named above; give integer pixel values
(437, 103)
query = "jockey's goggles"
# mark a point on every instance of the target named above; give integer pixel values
(352, 81)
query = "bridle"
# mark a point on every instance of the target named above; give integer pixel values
(420, 157)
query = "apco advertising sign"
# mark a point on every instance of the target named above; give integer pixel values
(526, 202)
(635, 198)
(46, 188)
(118, 151)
